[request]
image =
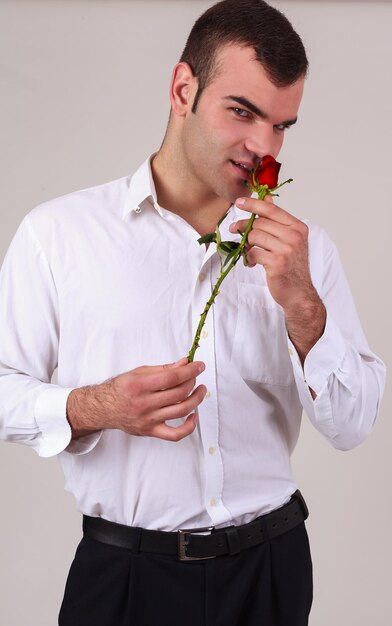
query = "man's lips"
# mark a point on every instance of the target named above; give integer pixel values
(242, 168)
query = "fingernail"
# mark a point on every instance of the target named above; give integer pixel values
(240, 201)
(202, 367)
(232, 227)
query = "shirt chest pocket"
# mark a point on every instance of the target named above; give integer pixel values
(260, 350)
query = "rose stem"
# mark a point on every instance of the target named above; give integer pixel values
(215, 290)
(261, 192)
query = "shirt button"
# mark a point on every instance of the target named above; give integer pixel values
(213, 502)
(138, 209)
(204, 334)
(211, 450)
(208, 394)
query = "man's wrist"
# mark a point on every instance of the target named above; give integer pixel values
(305, 323)
(81, 417)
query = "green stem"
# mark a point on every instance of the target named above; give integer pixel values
(220, 280)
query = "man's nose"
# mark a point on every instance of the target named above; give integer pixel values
(261, 141)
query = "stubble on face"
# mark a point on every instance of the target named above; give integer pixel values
(213, 139)
(207, 154)
(197, 172)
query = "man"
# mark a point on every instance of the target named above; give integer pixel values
(100, 282)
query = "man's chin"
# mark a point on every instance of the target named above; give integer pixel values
(237, 191)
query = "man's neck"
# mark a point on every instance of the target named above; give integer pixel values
(175, 194)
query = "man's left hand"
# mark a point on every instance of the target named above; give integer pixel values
(279, 242)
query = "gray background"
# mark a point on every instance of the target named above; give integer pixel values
(84, 99)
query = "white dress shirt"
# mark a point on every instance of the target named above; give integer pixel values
(101, 281)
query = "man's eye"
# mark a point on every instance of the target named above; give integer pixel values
(241, 112)
(282, 127)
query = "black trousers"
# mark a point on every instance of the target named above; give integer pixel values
(267, 585)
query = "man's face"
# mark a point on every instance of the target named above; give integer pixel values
(241, 116)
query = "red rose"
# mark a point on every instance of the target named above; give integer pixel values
(268, 171)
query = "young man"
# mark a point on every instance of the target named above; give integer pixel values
(113, 278)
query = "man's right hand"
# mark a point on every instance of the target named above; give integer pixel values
(140, 402)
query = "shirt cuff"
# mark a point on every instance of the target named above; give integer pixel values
(322, 360)
(51, 417)
(84, 444)
(325, 357)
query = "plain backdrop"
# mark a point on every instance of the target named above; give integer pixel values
(84, 99)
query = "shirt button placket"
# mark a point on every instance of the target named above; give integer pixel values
(208, 410)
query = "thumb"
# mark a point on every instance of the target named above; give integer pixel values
(182, 361)
(155, 369)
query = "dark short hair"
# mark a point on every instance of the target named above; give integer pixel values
(249, 23)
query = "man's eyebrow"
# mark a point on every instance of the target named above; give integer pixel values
(255, 109)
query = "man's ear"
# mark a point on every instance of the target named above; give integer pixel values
(183, 89)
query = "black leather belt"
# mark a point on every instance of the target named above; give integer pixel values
(200, 543)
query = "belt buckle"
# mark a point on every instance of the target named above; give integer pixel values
(183, 543)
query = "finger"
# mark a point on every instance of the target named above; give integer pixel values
(258, 256)
(163, 377)
(183, 361)
(176, 433)
(180, 409)
(168, 397)
(266, 209)
(265, 224)
(261, 239)
(145, 369)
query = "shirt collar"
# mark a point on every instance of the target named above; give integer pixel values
(141, 188)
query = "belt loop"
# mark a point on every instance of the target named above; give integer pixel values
(298, 495)
(137, 536)
(233, 540)
(264, 526)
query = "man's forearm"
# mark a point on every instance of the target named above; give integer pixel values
(305, 324)
(88, 409)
